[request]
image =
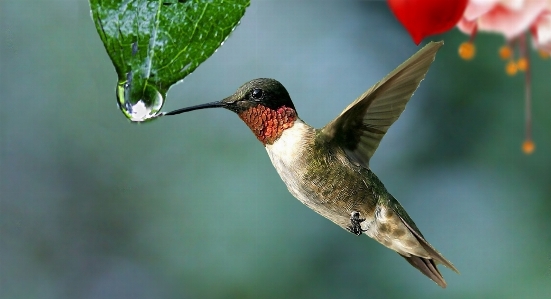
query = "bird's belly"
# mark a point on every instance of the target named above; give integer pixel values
(332, 191)
(328, 208)
(287, 166)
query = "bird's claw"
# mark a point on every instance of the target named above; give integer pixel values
(355, 222)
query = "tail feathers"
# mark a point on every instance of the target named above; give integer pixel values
(437, 256)
(434, 254)
(427, 267)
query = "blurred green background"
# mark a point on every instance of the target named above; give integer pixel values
(93, 206)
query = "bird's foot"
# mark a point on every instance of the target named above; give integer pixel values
(355, 221)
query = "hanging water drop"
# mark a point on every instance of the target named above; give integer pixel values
(139, 103)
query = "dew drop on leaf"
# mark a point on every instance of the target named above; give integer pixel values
(139, 103)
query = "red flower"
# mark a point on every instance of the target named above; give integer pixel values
(426, 17)
(514, 19)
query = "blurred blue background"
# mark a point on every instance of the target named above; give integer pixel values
(93, 206)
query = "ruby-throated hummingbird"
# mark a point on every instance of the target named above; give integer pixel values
(328, 170)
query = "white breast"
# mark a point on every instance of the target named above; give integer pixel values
(289, 146)
(286, 151)
(287, 155)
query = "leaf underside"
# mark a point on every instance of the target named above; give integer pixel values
(161, 42)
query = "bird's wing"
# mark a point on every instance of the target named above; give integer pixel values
(362, 125)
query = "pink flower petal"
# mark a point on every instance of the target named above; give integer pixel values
(466, 26)
(542, 32)
(475, 10)
(511, 23)
(514, 4)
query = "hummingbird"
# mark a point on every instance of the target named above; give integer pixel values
(328, 170)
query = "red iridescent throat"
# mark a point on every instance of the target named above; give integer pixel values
(268, 124)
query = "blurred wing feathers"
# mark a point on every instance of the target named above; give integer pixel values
(361, 126)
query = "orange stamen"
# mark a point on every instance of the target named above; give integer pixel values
(528, 146)
(505, 52)
(467, 50)
(511, 68)
(522, 64)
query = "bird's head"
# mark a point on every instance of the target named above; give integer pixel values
(263, 104)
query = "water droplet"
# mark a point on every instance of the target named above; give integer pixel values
(139, 103)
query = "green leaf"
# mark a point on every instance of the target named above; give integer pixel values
(156, 43)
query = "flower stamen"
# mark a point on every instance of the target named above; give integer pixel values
(511, 68)
(522, 64)
(528, 146)
(505, 52)
(467, 50)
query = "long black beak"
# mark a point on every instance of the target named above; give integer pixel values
(197, 107)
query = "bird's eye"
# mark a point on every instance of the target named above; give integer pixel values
(257, 94)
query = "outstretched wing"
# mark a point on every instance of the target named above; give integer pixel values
(362, 125)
